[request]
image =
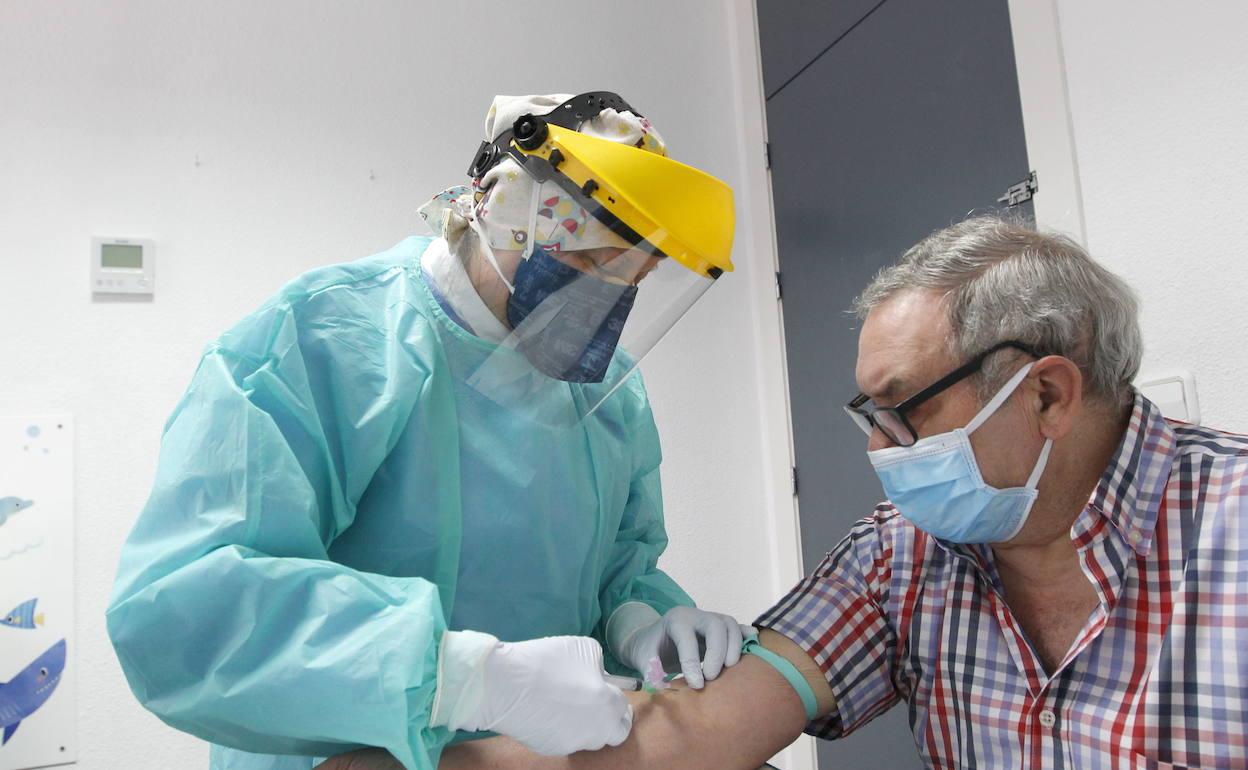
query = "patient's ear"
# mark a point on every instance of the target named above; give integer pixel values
(786, 648)
(1055, 386)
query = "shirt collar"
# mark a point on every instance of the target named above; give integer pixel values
(1131, 489)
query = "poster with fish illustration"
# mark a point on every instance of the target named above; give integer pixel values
(37, 645)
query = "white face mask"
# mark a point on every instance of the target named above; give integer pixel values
(937, 485)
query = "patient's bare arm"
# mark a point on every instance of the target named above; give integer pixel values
(736, 723)
(739, 721)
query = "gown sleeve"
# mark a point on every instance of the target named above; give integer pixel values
(632, 573)
(229, 618)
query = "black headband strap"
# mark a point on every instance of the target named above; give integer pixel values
(571, 115)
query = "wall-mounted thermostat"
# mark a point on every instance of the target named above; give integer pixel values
(123, 266)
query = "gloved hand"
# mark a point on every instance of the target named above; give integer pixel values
(548, 694)
(678, 639)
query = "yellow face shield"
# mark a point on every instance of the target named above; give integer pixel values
(588, 317)
(653, 202)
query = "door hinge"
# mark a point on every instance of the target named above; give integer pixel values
(793, 476)
(1020, 192)
(767, 154)
(779, 286)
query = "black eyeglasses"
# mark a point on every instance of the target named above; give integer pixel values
(891, 420)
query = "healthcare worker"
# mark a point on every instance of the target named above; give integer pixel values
(414, 496)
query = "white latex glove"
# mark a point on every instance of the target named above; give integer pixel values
(679, 638)
(548, 694)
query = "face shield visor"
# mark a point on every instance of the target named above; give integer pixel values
(588, 317)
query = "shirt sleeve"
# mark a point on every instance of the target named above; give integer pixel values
(229, 618)
(838, 615)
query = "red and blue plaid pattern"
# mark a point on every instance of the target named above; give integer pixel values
(1158, 676)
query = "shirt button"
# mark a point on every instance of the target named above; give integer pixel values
(1047, 718)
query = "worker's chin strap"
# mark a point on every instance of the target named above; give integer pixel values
(488, 250)
(530, 237)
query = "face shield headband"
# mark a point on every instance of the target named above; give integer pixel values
(656, 205)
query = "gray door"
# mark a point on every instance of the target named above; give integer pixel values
(887, 120)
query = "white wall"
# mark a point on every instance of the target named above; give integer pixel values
(1159, 104)
(255, 140)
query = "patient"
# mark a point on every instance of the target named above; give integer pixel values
(1057, 575)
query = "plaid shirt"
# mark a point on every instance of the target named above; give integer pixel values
(1158, 675)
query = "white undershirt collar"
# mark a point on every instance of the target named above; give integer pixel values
(456, 287)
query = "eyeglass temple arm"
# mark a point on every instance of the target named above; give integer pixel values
(963, 371)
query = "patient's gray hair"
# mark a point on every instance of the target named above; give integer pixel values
(1003, 280)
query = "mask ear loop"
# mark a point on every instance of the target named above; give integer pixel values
(1034, 479)
(479, 229)
(995, 403)
(529, 241)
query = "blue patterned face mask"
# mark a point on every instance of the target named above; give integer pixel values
(567, 323)
(937, 485)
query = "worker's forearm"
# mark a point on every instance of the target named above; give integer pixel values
(737, 722)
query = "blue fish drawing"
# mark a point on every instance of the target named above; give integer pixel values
(12, 505)
(29, 690)
(23, 616)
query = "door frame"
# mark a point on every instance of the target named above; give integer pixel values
(1047, 125)
(1049, 134)
(756, 239)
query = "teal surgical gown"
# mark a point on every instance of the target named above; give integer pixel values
(332, 496)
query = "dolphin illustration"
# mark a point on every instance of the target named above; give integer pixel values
(12, 505)
(30, 689)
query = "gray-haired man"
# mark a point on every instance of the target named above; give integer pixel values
(1056, 579)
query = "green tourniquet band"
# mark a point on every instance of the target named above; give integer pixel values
(787, 670)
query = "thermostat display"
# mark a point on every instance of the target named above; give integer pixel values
(123, 266)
